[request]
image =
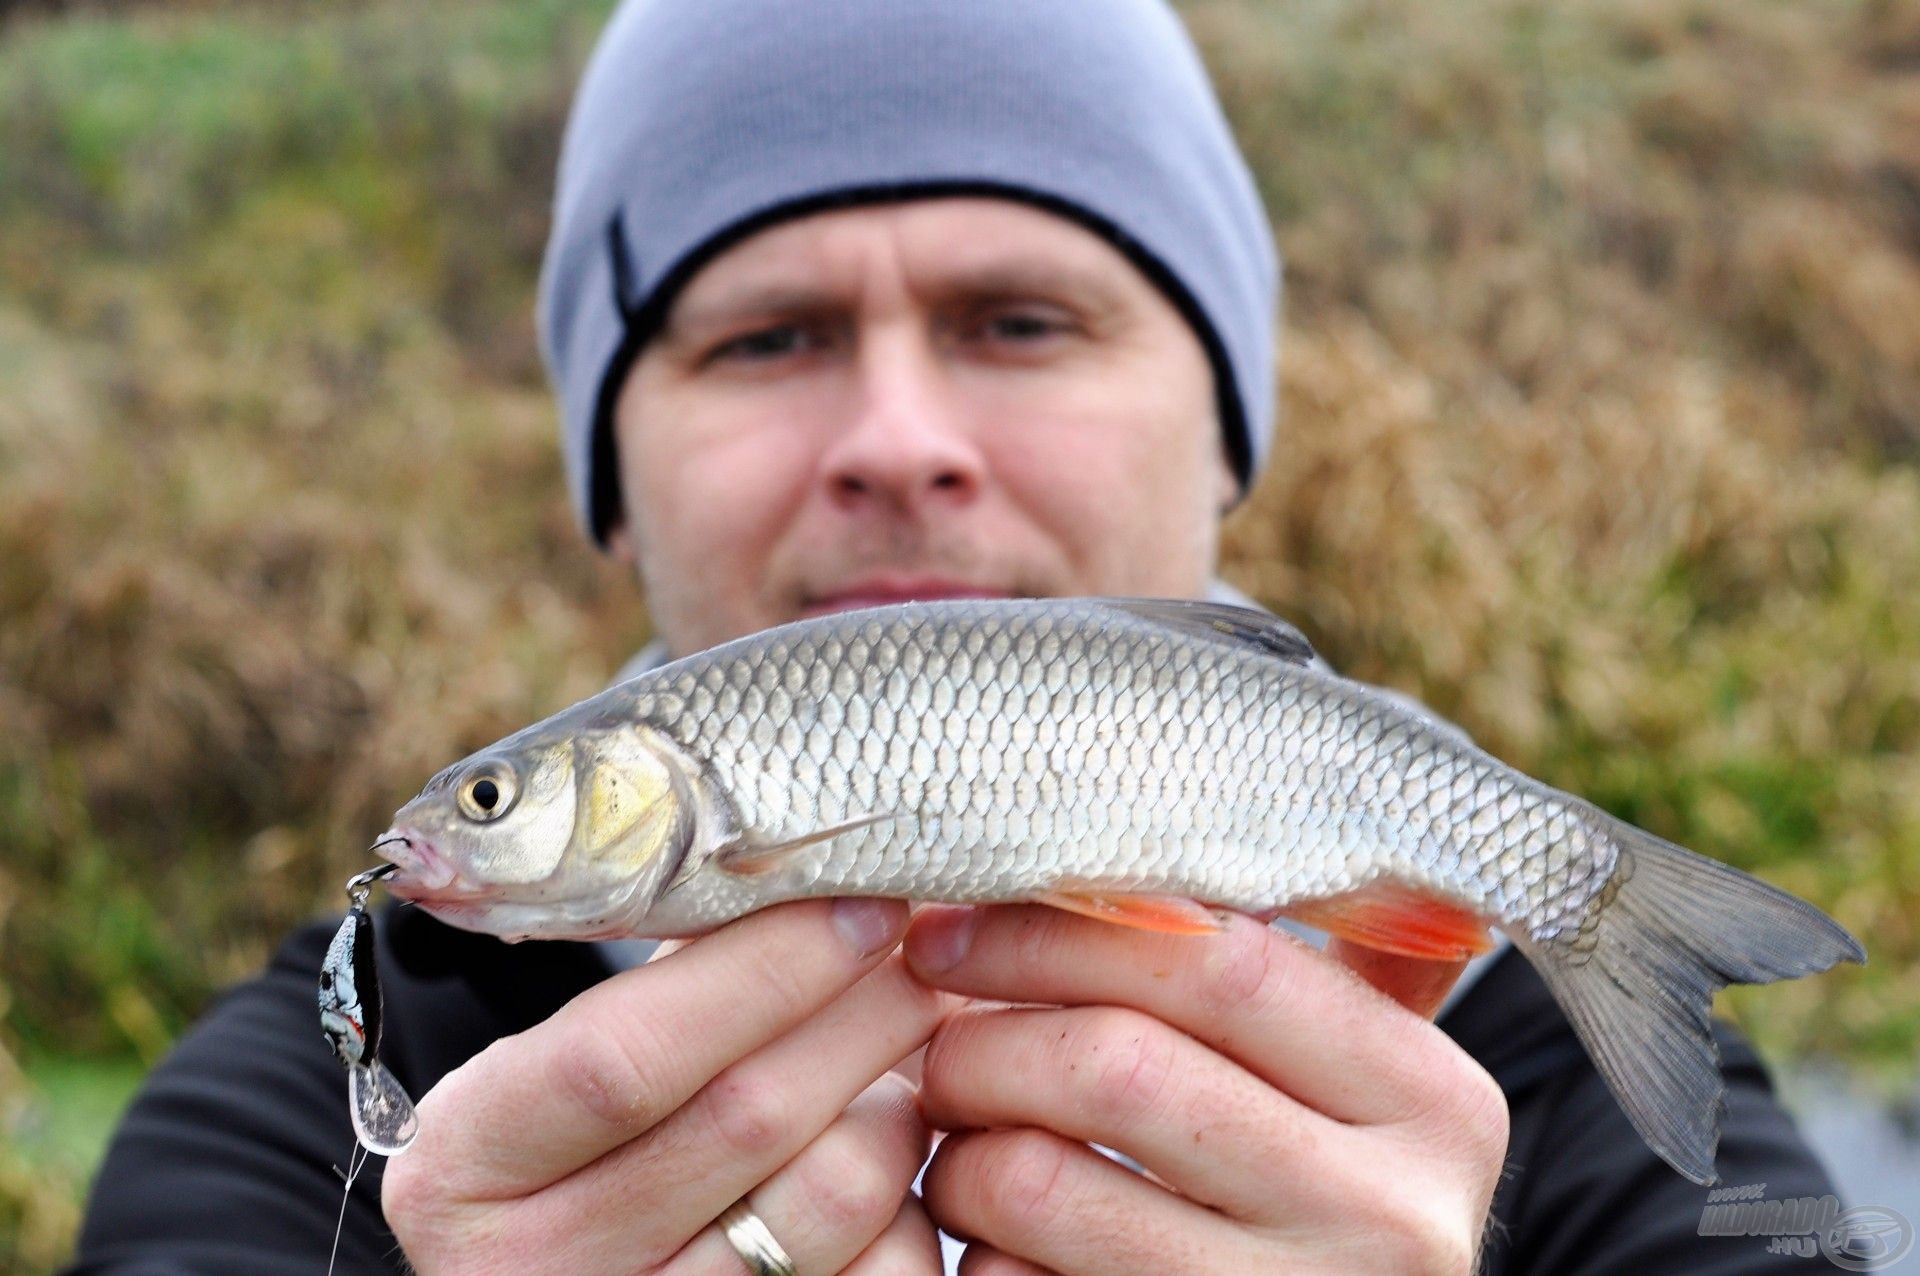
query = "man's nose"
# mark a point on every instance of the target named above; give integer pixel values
(908, 445)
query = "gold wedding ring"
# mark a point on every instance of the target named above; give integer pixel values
(763, 1255)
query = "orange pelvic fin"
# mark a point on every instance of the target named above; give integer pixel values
(1169, 914)
(1398, 919)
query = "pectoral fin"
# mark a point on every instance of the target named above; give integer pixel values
(1398, 919)
(749, 858)
(1168, 914)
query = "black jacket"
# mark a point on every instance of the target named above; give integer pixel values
(225, 1162)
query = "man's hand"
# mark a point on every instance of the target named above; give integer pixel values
(753, 1062)
(1291, 1117)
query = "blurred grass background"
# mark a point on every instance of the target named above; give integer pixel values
(1602, 420)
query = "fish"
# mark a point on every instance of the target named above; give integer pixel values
(1138, 760)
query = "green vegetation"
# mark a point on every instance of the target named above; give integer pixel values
(1602, 408)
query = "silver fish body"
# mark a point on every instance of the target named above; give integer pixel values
(1100, 749)
(999, 750)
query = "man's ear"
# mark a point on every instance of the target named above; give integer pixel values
(621, 546)
(1226, 486)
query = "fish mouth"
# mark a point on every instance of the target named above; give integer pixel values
(425, 876)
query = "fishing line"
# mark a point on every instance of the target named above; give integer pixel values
(354, 1165)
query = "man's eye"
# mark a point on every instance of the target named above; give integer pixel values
(1023, 326)
(766, 343)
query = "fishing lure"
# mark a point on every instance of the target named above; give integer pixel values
(383, 1115)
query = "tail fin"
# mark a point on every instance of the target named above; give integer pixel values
(1638, 986)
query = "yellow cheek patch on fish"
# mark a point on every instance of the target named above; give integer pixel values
(630, 804)
(1398, 919)
(615, 804)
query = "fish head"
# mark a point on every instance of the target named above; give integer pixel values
(552, 834)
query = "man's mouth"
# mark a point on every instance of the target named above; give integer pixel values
(883, 591)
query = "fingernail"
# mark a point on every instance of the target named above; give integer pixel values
(869, 925)
(942, 939)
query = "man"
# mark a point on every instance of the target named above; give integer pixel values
(852, 302)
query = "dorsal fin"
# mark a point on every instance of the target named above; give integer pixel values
(1222, 623)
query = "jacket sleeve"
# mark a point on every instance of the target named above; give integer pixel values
(226, 1160)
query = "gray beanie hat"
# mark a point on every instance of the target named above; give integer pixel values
(701, 121)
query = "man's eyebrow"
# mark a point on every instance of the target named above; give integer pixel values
(730, 305)
(1037, 278)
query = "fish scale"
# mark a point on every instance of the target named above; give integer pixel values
(1116, 757)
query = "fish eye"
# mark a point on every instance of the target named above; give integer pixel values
(487, 793)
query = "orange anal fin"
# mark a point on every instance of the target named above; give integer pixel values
(1168, 914)
(1398, 919)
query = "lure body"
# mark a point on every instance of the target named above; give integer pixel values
(349, 1018)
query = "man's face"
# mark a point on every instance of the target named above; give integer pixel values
(949, 398)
